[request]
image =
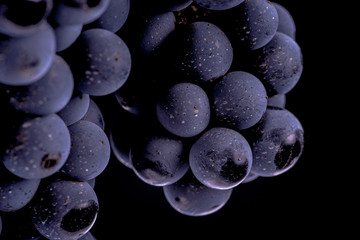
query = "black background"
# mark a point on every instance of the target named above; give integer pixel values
(305, 201)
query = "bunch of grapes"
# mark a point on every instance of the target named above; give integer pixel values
(201, 88)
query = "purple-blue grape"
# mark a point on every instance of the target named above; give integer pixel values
(221, 158)
(278, 100)
(25, 59)
(286, 21)
(94, 114)
(204, 52)
(15, 192)
(250, 25)
(218, 4)
(66, 35)
(89, 152)
(37, 147)
(239, 100)
(69, 12)
(65, 210)
(279, 64)
(159, 160)
(192, 198)
(76, 108)
(114, 16)
(277, 142)
(19, 18)
(184, 110)
(47, 95)
(157, 28)
(104, 64)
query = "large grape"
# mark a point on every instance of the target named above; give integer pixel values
(277, 142)
(25, 59)
(159, 160)
(204, 52)
(104, 63)
(37, 147)
(239, 100)
(47, 95)
(184, 110)
(192, 198)
(89, 153)
(65, 210)
(279, 64)
(19, 18)
(221, 158)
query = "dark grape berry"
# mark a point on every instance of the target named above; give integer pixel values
(15, 192)
(278, 64)
(25, 59)
(89, 153)
(65, 210)
(190, 197)
(204, 52)
(221, 158)
(157, 28)
(76, 108)
(277, 142)
(104, 63)
(159, 160)
(38, 147)
(239, 100)
(278, 100)
(66, 35)
(114, 16)
(69, 12)
(218, 4)
(94, 115)
(19, 18)
(47, 95)
(286, 21)
(184, 110)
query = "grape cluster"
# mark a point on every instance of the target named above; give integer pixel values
(201, 89)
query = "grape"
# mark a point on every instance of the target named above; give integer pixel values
(278, 65)
(190, 197)
(184, 110)
(69, 12)
(47, 95)
(239, 100)
(19, 18)
(219, 4)
(76, 108)
(89, 153)
(278, 100)
(65, 210)
(250, 25)
(277, 142)
(204, 52)
(104, 63)
(15, 192)
(94, 115)
(37, 148)
(221, 158)
(286, 21)
(23, 60)
(159, 160)
(157, 29)
(114, 16)
(66, 35)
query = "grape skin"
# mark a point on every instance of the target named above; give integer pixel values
(184, 110)
(221, 158)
